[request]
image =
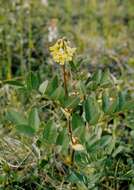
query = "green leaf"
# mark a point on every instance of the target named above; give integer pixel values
(14, 82)
(118, 150)
(51, 87)
(73, 178)
(61, 136)
(95, 80)
(65, 142)
(58, 94)
(71, 102)
(43, 87)
(105, 140)
(99, 144)
(129, 105)
(25, 129)
(16, 117)
(114, 106)
(50, 132)
(92, 112)
(34, 120)
(77, 121)
(73, 66)
(2, 180)
(105, 79)
(129, 174)
(122, 99)
(81, 88)
(76, 177)
(131, 186)
(105, 102)
(32, 81)
(132, 134)
(80, 132)
(97, 76)
(111, 146)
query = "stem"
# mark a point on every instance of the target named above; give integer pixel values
(1, 57)
(72, 156)
(8, 61)
(70, 129)
(30, 42)
(20, 27)
(71, 138)
(65, 80)
(68, 119)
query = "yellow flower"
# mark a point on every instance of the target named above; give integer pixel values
(62, 52)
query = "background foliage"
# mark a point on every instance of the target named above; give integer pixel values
(35, 149)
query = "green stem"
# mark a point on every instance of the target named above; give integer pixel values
(30, 43)
(21, 41)
(8, 51)
(1, 58)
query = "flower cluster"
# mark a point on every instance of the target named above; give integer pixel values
(62, 52)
